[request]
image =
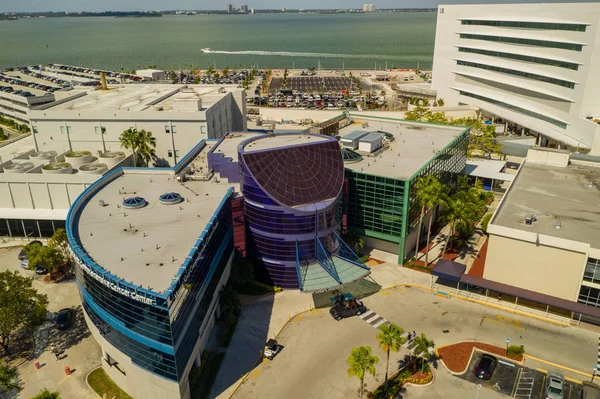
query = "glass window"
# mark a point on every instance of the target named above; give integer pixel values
(203, 129)
(170, 153)
(174, 129)
(589, 296)
(62, 130)
(592, 271)
(98, 129)
(167, 129)
(520, 110)
(528, 42)
(529, 25)
(527, 58)
(69, 131)
(514, 72)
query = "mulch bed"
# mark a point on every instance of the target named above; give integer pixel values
(427, 248)
(456, 357)
(479, 264)
(450, 254)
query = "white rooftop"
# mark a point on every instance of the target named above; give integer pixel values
(228, 147)
(147, 246)
(284, 140)
(413, 146)
(487, 169)
(139, 97)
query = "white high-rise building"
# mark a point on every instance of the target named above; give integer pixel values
(229, 8)
(372, 8)
(365, 7)
(534, 66)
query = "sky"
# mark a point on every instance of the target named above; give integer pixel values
(148, 5)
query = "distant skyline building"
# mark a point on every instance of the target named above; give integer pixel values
(369, 8)
(252, 11)
(229, 8)
(244, 9)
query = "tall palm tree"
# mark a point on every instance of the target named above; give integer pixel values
(390, 339)
(461, 209)
(361, 361)
(8, 377)
(146, 145)
(422, 347)
(430, 193)
(129, 141)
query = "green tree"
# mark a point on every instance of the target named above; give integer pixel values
(422, 347)
(8, 377)
(390, 339)
(460, 211)
(416, 114)
(3, 136)
(46, 394)
(430, 193)
(361, 361)
(440, 102)
(141, 143)
(48, 256)
(226, 71)
(60, 241)
(146, 146)
(482, 139)
(17, 299)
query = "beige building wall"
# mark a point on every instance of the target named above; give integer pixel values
(548, 270)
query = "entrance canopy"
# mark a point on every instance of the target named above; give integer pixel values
(532, 296)
(448, 270)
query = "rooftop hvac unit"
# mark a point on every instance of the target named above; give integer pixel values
(111, 158)
(19, 167)
(78, 158)
(63, 168)
(96, 168)
(43, 155)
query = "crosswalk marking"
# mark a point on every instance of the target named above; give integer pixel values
(373, 319)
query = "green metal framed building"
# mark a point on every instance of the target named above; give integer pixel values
(379, 199)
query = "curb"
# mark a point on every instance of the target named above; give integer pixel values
(471, 357)
(411, 384)
(558, 366)
(481, 303)
(88, 384)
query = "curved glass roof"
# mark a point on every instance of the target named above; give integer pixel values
(299, 175)
(170, 198)
(134, 202)
(350, 156)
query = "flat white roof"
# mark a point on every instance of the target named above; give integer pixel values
(413, 146)
(140, 97)
(147, 246)
(487, 169)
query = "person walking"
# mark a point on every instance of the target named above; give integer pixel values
(54, 352)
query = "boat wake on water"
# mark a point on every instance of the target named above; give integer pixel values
(302, 54)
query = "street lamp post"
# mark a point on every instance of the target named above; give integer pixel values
(594, 373)
(507, 342)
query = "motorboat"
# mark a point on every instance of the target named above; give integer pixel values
(206, 50)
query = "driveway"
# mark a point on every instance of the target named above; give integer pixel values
(79, 349)
(316, 346)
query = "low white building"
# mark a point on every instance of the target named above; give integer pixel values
(16, 107)
(532, 66)
(151, 74)
(179, 116)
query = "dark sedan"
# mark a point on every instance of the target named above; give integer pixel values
(23, 253)
(486, 366)
(64, 318)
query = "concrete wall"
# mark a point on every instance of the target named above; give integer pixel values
(548, 270)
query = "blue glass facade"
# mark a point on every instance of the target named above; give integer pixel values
(158, 331)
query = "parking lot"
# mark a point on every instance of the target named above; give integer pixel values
(317, 346)
(312, 84)
(516, 381)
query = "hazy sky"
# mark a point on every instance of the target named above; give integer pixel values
(127, 5)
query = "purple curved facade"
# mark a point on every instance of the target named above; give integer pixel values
(292, 197)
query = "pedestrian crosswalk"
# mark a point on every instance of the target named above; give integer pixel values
(373, 319)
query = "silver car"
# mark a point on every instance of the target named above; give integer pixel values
(555, 385)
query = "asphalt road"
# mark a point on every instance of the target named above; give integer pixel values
(313, 363)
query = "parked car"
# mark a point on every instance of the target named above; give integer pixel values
(22, 252)
(348, 308)
(486, 366)
(555, 385)
(25, 264)
(64, 318)
(272, 348)
(41, 270)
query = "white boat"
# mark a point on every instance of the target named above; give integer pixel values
(206, 50)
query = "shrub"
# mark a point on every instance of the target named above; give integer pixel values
(515, 351)
(485, 221)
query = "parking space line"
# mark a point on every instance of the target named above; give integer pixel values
(364, 315)
(514, 390)
(504, 323)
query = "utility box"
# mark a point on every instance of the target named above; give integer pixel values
(371, 142)
(351, 139)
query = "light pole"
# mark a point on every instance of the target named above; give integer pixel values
(507, 342)
(594, 373)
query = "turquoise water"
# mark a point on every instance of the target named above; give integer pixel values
(270, 40)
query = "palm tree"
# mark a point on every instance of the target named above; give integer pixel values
(460, 211)
(422, 346)
(45, 394)
(140, 143)
(129, 141)
(8, 377)
(361, 361)
(146, 146)
(429, 194)
(390, 339)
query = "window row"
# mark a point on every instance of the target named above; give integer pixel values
(592, 271)
(519, 57)
(589, 296)
(533, 76)
(520, 110)
(529, 42)
(528, 25)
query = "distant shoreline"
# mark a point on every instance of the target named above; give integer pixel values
(154, 14)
